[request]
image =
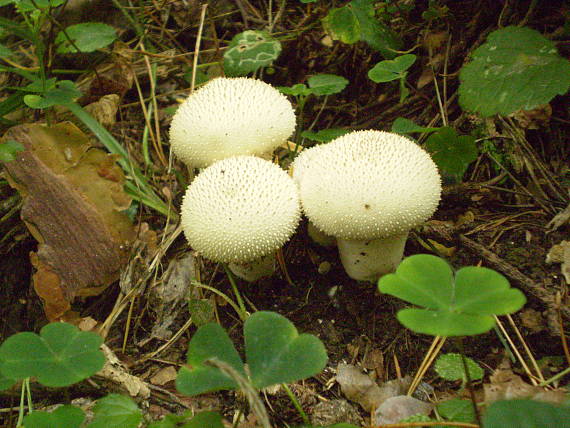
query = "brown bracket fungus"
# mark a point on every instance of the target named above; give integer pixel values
(368, 189)
(230, 117)
(240, 210)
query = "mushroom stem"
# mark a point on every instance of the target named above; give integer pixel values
(370, 259)
(252, 271)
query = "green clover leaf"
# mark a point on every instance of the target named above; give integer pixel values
(453, 306)
(60, 355)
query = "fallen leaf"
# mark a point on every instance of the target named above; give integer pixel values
(394, 409)
(505, 385)
(358, 387)
(164, 375)
(560, 253)
(105, 109)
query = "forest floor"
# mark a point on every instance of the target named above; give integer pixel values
(497, 216)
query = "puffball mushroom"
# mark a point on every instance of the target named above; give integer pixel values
(240, 210)
(368, 189)
(230, 117)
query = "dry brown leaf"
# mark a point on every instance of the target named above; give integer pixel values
(560, 253)
(536, 118)
(505, 385)
(73, 195)
(358, 387)
(117, 374)
(532, 320)
(163, 376)
(105, 110)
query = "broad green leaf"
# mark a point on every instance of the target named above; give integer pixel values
(298, 90)
(457, 410)
(526, 414)
(372, 31)
(452, 153)
(60, 355)
(325, 135)
(444, 323)
(64, 416)
(450, 367)
(342, 24)
(391, 69)
(327, 84)
(517, 68)
(201, 420)
(8, 150)
(64, 93)
(5, 382)
(277, 353)
(249, 51)
(4, 51)
(29, 6)
(406, 126)
(423, 280)
(454, 307)
(116, 410)
(209, 341)
(357, 21)
(87, 37)
(494, 295)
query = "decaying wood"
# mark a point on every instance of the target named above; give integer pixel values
(72, 197)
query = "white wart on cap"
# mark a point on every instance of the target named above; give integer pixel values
(230, 117)
(239, 210)
(368, 186)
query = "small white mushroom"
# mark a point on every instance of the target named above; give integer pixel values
(230, 117)
(368, 189)
(240, 210)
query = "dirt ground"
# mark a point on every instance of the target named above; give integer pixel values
(497, 217)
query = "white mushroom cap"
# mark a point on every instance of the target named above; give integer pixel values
(367, 185)
(240, 209)
(230, 117)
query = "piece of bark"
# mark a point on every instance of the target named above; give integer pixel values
(73, 197)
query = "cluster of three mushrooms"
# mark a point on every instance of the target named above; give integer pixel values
(367, 188)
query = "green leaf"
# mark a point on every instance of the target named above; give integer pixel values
(201, 420)
(391, 69)
(526, 414)
(356, 21)
(406, 126)
(377, 35)
(308, 1)
(6, 382)
(452, 153)
(116, 410)
(298, 90)
(341, 24)
(517, 68)
(8, 150)
(249, 51)
(325, 135)
(29, 6)
(457, 410)
(64, 92)
(277, 353)
(60, 355)
(450, 367)
(210, 341)
(327, 84)
(453, 307)
(16, 28)
(87, 37)
(4, 51)
(64, 416)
